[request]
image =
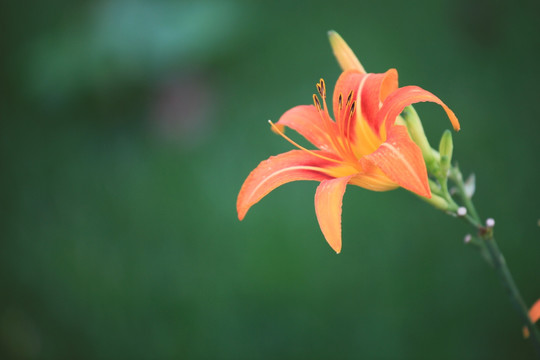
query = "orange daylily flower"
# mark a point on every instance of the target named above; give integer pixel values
(363, 147)
(534, 314)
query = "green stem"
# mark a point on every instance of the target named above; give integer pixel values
(496, 257)
(508, 281)
(457, 178)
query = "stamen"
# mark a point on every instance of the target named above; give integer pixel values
(341, 147)
(348, 128)
(348, 122)
(346, 116)
(317, 102)
(327, 123)
(349, 98)
(277, 130)
(322, 88)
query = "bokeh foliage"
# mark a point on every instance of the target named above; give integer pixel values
(127, 130)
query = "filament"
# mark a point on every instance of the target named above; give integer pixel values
(278, 131)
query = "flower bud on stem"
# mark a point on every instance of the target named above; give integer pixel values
(446, 147)
(416, 131)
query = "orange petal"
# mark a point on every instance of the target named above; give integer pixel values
(306, 120)
(276, 171)
(534, 314)
(344, 55)
(405, 96)
(373, 91)
(374, 180)
(401, 160)
(369, 90)
(328, 201)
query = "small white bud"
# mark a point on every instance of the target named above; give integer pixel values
(490, 223)
(462, 211)
(470, 186)
(467, 238)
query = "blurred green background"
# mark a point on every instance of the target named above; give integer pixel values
(128, 128)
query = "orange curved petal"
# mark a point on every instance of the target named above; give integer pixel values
(276, 171)
(373, 91)
(328, 202)
(405, 96)
(401, 160)
(534, 314)
(306, 120)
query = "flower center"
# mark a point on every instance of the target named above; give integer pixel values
(339, 132)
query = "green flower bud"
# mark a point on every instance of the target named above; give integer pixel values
(416, 131)
(439, 202)
(446, 147)
(434, 187)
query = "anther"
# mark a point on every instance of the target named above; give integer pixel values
(353, 107)
(349, 98)
(322, 88)
(317, 102)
